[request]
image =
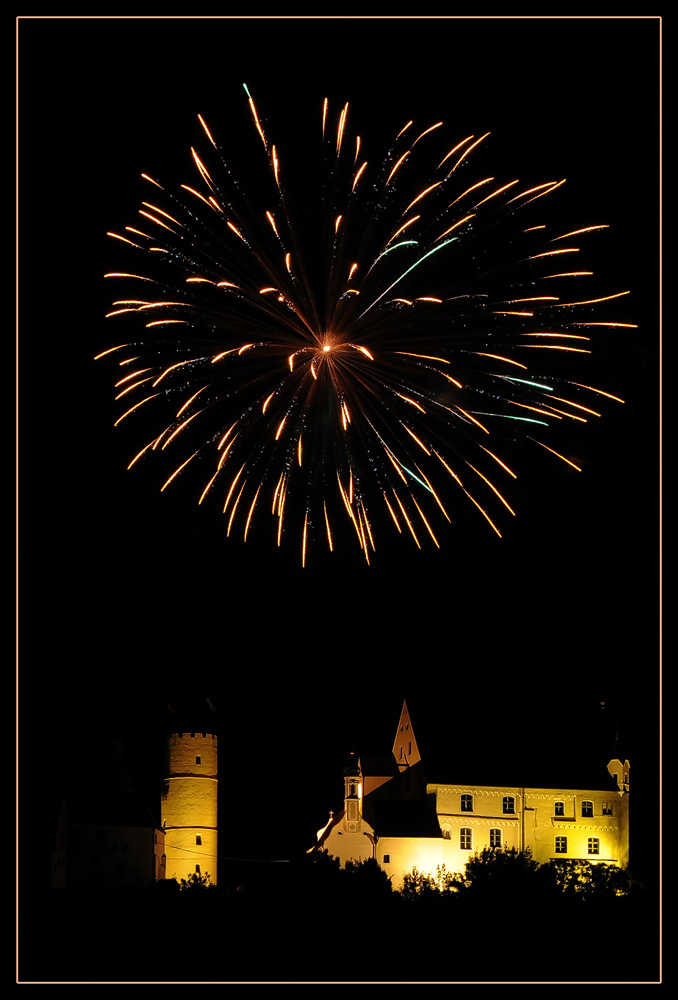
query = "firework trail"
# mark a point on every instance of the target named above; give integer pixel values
(360, 353)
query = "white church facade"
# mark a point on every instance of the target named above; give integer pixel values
(391, 813)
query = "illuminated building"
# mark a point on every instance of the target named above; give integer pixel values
(392, 813)
(189, 805)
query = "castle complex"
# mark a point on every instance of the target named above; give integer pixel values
(392, 813)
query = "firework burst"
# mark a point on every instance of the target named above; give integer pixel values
(361, 350)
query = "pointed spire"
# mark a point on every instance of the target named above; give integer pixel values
(405, 749)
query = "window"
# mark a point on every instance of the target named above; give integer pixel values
(561, 845)
(587, 808)
(198, 760)
(467, 803)
(607, 808)
(594, 845)
(386, 860)
(509, 804)
(197, 869)
(198, 839)
(447, 833)
(495, 838)
(465, 839)
(559, 809)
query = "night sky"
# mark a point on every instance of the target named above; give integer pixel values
(131, 598)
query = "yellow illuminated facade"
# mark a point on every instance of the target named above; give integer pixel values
(189, 806)
(393, 815)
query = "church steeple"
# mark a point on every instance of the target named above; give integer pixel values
(353, 795)
(405, 749)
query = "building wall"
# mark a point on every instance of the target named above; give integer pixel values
(593, 823)
(399, 855)
(347, 846)
(102, 856)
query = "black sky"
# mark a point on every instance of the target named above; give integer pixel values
(128, 595)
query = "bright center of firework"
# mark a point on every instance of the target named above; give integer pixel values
(327, 348)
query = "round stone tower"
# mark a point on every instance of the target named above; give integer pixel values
(189, 805)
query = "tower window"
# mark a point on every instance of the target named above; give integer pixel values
(386, 860)
(607, 808)
(198, 760)
(197, 869)
(198, 839)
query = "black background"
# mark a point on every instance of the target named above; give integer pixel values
(130, 598)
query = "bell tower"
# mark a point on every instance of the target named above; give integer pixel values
(189, 805)
(353, 796)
